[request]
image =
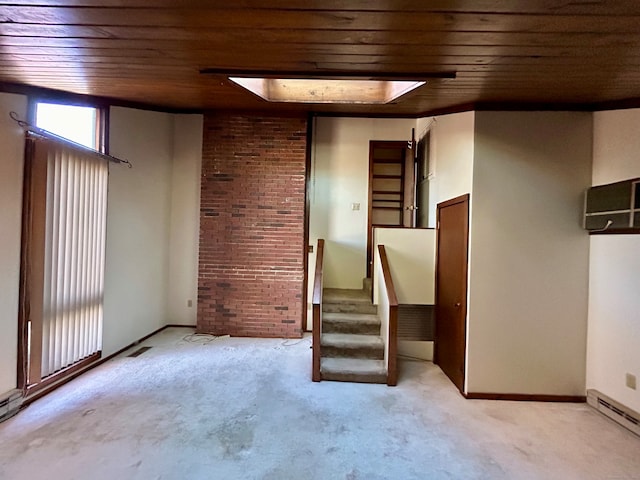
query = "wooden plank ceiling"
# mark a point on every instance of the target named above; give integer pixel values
(502, 52)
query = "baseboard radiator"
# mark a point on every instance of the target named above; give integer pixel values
(616, 411)
(10, 404)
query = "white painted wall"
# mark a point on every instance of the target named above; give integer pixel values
(138, 226)
(152, 226)
(11, 168)
(614, 299)
(185, 219)
(339, 177)
(452, 152)
(451, 173)
(527, 310)
(412, 255)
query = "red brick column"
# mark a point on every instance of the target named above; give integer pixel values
(251, 268)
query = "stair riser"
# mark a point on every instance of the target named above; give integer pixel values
(349, 308)
(373, 353)
(354, 377)
(330, 326)
(367, 286)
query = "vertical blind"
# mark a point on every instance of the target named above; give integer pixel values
(68, 217)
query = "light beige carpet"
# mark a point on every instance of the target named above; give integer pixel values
(238, 408)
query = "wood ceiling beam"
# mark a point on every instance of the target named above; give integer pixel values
(619, 7)
(73, 19)
(221, 38)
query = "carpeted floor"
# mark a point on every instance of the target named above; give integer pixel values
(237, 408)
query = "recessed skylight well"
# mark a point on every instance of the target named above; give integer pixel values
(349, 91)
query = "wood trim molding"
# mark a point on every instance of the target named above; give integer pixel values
(405, 228)
(453, 201)
(81, 99)
(326, 74)
(61, 375)
(386, 273)
(618, 231)
(370, 227)
(616, 105)
(317, 279)
(23, 306)
(525, 397)
(317, 312)
(392, 364)
(307, 213)
(369, 266)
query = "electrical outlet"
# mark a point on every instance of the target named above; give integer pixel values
(631, 381)
(189, 303)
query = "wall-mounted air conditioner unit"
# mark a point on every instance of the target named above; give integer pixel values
(613, 208)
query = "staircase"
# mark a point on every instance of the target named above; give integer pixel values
(351, 347)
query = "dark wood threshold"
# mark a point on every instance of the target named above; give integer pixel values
(525, 397)
(43, 388)
(61, 375)
(617, 231)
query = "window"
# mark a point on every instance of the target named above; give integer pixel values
(64, 225)
(80, 124)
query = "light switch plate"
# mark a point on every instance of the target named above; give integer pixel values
(631, 381)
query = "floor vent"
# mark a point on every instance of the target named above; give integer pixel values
(138, 352)
(614, 410)
(10, 404)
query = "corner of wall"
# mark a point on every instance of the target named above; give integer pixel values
(138, 219)
(528, 287)
(11, 171)
(614, 267)
(182, 295)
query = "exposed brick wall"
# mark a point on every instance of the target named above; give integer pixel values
(251, 269)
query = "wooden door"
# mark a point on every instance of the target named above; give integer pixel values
(451, 287)
(409, 190)
(387, 188)
(422, 182)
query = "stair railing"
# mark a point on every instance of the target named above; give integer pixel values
(317, 312)
(392, 326)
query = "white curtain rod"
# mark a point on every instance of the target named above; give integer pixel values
(34, 131)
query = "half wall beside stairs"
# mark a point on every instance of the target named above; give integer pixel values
(411, 253)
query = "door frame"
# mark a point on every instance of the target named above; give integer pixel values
(466, 200)
(380, 143)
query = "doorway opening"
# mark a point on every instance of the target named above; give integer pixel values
(391, 189)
